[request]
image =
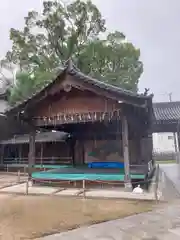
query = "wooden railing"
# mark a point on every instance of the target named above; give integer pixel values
(38, 160)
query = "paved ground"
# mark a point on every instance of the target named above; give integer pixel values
(102, 193)
(9, 179)
(161, 224)
(173, 173)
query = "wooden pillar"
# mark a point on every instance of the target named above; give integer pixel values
(20, 153)
(150, 142)
(2, 154)
(41, 154)
(138, 146)
(31, 157)
(127, 177)
(82, 152)
(72, 150)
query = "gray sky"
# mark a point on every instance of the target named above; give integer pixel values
(150, 25)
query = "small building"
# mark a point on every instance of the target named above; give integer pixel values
(167, 117)
(106, 124)
(166, 128)
(164, 142)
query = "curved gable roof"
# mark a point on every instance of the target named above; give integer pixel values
(70, 69)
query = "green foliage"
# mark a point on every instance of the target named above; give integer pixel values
(23, 87)
(27, 84)
(75, 30)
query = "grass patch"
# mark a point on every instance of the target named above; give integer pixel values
(166, 161)
(27, 217)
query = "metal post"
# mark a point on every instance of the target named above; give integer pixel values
(178, 147)
(174, 136)
(156, 183)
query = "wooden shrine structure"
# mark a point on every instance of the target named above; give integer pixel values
(97, 115)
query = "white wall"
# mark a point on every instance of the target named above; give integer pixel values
(163, 142)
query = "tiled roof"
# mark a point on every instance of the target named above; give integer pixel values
(167, 111)
(102, 85)
(73, 71)
(40, 137)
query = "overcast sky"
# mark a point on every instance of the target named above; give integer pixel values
(151, 25)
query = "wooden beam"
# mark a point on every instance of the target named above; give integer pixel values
(63, 118)
(31, 156)
(125, 140)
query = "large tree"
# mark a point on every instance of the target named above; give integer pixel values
(76, 30)
(26, 84)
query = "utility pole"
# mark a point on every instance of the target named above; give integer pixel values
(170, 96)
(174, 134)
(178, 153)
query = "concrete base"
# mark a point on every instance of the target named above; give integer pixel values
(21, 188)
(93, 193)
(128, 186)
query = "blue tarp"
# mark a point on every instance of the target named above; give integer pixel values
(106, 165)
